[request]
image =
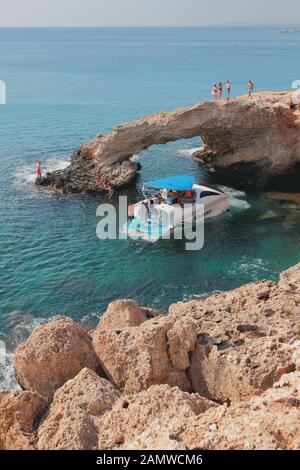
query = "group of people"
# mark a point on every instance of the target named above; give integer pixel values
(170, 197)
(217, 90)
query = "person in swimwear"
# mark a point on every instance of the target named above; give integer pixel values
(250, 87)
(38, 170)
(215, 92)
(228, 88)
(220, 90)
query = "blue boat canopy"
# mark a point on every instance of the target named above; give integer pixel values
(175, 183)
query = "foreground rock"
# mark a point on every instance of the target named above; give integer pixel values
(239, 350)
(72, 421)
(20, 413)
(245, 337)
(156, 352)
(153, 419)
(53, 354)
(256, 140)
(238, 373)
(268, 422)
(124, 313)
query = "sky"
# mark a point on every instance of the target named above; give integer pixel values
(146, 12)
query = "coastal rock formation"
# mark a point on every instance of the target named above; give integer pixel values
(124, 313)
(145, 421)
(137, 357)
(72, 421)
(53, 354)
(256, 310)
(270, 421)
(245, 337)
(20, 413)
(238, 350)
(238, 373)
(255, 140)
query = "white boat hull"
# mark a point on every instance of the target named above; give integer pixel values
(149, 226)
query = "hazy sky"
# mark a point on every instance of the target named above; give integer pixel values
(146, 12)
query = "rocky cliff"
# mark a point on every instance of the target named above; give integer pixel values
(221, 372)
(253, 140)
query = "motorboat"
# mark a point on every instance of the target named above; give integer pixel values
(171, 203)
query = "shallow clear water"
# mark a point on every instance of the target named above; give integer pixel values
(64, 86)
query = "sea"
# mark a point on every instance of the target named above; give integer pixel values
(66, 85)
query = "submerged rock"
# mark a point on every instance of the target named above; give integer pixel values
(53, 354)
(290, 197)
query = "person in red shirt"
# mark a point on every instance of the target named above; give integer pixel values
(250, 87)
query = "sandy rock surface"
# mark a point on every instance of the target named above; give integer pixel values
(72, 421)
(53, 354)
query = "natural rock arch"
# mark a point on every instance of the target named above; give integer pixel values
(258, 139)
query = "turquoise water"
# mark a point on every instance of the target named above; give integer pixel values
(64, 86)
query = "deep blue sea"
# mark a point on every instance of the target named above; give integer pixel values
(64, 86)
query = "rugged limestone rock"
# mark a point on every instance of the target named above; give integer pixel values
(231, 348)
(124, 313)
(290, 284)
(238, 373)
(72, 421)
(268, 422)
(256, 139)
(150, 420)
(53, 354)
(20, 413)
(137, 357)
(245, 337)
(253, 311)
(85, 177)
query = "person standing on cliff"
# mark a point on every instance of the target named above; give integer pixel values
(38, 170)
(220, 90)
(250, 87)
(228, 89)
(215, 92)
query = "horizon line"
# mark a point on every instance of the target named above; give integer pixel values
(203, 25)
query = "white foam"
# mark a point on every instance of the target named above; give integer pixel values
(204, 295)
(250, 266)
(7, 376)
(25, 175)
(19, 326)
(239, 203)
(136, 158)
(236, 197)
(189, 152)
(232, 192)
